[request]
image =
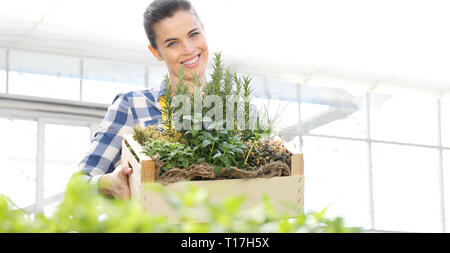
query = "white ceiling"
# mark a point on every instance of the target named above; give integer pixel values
(402, 43)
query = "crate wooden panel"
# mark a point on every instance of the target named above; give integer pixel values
(281, 190)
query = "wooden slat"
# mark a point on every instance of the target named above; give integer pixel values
(284, 199)
(297, 165)
(144, 170)
(134, 180)
(137, 148)
(301, 193)
(148, 173)
(130, 157)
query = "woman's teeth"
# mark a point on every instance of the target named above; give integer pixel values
(191, 61)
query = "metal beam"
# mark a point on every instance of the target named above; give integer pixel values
(49, 105)
(40, 163)
(441, 170)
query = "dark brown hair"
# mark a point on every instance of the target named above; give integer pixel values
(159, 10)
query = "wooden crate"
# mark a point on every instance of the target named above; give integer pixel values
(283, 191)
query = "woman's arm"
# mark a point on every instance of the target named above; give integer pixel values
(105, 149)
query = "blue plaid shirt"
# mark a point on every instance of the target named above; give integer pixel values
(128, 109)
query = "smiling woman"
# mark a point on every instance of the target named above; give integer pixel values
(176, 38)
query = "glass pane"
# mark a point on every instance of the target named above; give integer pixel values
(404, 118)
(104, 92)
(44, 85)
(406, 188)
(445, 118)
(44, 75)
(283, 114)
(2, 81)
(64, 149)
(18, 159)
(334, 112)
(46, 64)
(113, 72)
(2, 71)
(103, 80)
(155, 76)
(277, 101)
(340, 180)
(275, 89)
(446, 177)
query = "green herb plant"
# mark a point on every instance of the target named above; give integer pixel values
(84, 210)
(213, 143)
(172, 154)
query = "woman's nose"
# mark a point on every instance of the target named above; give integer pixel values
(188, 48)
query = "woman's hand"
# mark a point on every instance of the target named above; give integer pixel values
(115, 184)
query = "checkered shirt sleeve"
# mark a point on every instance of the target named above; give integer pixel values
(104, 151)
(135, 107)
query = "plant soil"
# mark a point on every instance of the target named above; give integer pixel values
(204, 171)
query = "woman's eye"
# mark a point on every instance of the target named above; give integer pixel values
(171, 44)
(193, 35)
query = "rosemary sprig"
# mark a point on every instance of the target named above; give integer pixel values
(247, 92)
(216, 76)
(237, 93)
(181, 87)
(167, 99)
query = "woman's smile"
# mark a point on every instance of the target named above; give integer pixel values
(192, 62)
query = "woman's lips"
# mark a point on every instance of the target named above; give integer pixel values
(193, 62)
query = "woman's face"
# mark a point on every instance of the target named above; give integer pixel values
(181, 42)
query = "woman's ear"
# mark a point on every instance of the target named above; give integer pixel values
(155, 53)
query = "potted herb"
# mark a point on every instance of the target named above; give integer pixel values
(211, 137)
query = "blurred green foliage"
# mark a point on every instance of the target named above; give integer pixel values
(85, 210)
